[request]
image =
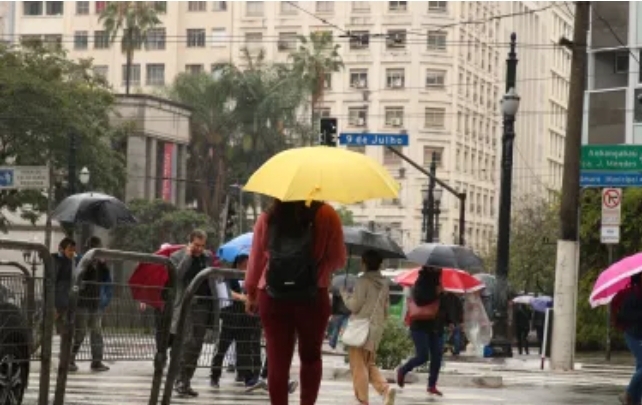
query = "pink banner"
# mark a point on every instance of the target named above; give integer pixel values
(167, 171)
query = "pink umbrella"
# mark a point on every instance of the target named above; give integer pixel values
(615, 279)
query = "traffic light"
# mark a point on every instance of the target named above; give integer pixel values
(230, 222)
(329, 136)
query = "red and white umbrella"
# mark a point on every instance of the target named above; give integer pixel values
(453, 280)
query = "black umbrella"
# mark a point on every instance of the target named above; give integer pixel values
(343, 281)
(445, 256)
(359, 240)
(93, 208)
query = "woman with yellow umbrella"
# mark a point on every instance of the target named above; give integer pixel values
(298, 243)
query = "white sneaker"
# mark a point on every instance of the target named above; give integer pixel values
(292, 386)
(389, 396)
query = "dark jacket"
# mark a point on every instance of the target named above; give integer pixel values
(522, 317)
(96, 275)
(629, 313)
(425, 292)
(63, 269)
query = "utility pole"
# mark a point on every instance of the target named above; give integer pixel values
(566, 266)
(430, 230)
(501, 344)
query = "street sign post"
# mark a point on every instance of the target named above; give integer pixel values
(24, 177)
(367, 139)
(611, 215)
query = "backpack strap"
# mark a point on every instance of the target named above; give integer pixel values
(274, 242)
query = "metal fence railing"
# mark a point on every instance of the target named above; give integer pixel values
(127, 332)
(26, 319)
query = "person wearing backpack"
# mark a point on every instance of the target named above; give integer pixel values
(296, 248)
(627, 308)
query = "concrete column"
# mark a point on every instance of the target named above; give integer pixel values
(181, 178)
(151, 173)
(136, 165)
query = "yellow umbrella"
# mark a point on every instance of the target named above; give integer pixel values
(324, 174)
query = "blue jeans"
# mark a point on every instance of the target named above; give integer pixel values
(428, 345)
(336, 323)
(456, 336)
(635, 386)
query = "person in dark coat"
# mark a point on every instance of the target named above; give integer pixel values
(428, 335)
(88, 316)
(455, 307)
(522, 322)
(538, 324)
(64, 265)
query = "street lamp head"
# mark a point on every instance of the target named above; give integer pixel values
(84, 176)
(437, 194)
(424, 193)
(510, 103)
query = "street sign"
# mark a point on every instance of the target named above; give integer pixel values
(610, 235)
(366, 139)
(611, 206)
(24, 177)
(610, 179)
(609, 158)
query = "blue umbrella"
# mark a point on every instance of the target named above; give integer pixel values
(239, 245)
(540, 304)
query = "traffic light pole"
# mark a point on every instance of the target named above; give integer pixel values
(460, 196)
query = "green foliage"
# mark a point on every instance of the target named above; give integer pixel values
(534, 230)
(395, 345)
(158, 222)
(44, 96)
(347, 217)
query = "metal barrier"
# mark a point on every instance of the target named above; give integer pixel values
(187, 310)
(24, 298)
(163, 326)
(48, 304)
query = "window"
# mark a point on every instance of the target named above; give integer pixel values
(194, 69)
(134, 75)
(100, 6)
(156, 39)
(323, 113)
(437, 40)
(101, 70)
(196, 38)
(82, 7)
(288, 7)
(397, 5)
(395, 78)
(196, 6)
(428, 155)
(54, 7)
(287, 41)
(53, 41)
(81, 40)
(390, 158)
(622, 62)
(160, 6)
(155, 74)
(434, 117)
(359, 78)
(327, 81)
(396, 39)
(435, 79)
(219, 37)
(101, 40)
(254, 41)
(325, 6)
(357, 116)
(361, 6)
(438, 6)
(394, 116)
(219, 6)
(254, 8)
(32, 7)
(359, 39)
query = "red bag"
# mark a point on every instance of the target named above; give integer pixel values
(421, 312)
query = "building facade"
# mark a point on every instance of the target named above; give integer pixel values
(416, 67)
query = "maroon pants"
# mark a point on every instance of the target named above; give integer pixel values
(285, 323)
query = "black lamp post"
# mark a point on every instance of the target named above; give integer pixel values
(437, 194)
(427, 212)
(33, 259)
(500, 344)
(85, 229)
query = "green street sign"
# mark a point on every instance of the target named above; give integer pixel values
(617, 158)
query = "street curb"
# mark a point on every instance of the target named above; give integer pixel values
(459, 380)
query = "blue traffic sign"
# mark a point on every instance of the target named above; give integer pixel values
(6, 178)
(366, 139)
(610, 179)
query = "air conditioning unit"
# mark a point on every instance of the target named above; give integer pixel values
(359, 84)
(361, 121)
(395, 122)
(396, 83)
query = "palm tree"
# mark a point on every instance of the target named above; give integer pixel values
(316, 57)
(135, 19)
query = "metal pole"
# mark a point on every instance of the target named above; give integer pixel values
(242, 211)
(609, 247)
(437, 213)
(50, 208)
(462, 218)
(71, 173)
(500, 343)
(430, 233)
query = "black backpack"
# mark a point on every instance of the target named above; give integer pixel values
(292, 269)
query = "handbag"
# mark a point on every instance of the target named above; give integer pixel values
(422, 312)
(357, 331)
